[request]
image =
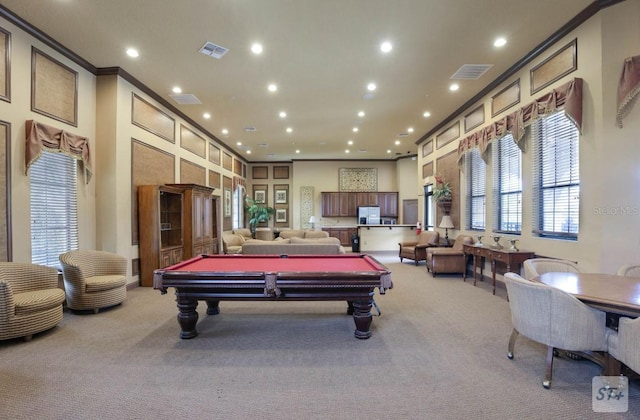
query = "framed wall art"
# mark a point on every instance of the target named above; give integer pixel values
(281, 215)
(227, 202)
(561, 63)
(280, 196)
(54, 88)
(5, 65)
(506, 98)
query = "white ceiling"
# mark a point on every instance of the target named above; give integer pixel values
(320, 53)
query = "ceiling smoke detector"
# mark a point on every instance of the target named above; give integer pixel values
(213, 50)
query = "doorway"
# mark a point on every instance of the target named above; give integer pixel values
(410, 211)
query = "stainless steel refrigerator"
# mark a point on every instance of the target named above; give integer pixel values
(369, 215)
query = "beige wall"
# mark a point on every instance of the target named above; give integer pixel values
(609, 170)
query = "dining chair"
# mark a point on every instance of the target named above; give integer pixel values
(554, 318)
(629, 270)
(623, 344)
(535, 266)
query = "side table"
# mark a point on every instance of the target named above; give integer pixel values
(512, 259)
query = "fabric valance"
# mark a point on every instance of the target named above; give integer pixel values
(41, 136)
(239, 181)
(567, 97)
(628, 87)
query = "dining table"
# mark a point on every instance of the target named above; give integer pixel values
(619, 295)
(616, 295)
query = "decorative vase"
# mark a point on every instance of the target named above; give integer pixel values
(445, 204)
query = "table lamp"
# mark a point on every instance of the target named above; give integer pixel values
(312, 220)
(447, 224)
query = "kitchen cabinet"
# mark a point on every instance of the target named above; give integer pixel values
(342, 233)
(345, 204)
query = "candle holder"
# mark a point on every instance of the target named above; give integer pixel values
(497, 245)
(479, 242)
(513, 245)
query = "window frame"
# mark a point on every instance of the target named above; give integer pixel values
(502, 182)
(556, 127)
(52, 202)
(476, 176)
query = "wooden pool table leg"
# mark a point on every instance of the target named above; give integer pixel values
(187, 316)
(213, 307)
(362, 317)
(349, 307)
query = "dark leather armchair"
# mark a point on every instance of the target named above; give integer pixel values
(417, 250)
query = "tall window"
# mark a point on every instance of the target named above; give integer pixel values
(476, 190)
(429, 207)
(238, 207)
(556, 177)
(507, 181)
(54, 207)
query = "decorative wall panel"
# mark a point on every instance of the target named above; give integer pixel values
(306, 205)
(358, 179)
(54, 88)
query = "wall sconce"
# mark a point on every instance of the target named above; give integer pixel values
(313, 221)
(447, 224)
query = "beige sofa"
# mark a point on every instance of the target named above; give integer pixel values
(293, 246)
(306, 234)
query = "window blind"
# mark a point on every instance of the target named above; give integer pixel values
(476, 190)
(556, 177)
(54, 208)
(507, 182)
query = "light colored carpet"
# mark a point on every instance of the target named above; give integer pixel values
(437, 351)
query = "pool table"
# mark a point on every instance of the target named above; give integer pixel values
(212, 278)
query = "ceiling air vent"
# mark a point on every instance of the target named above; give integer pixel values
(403, 134)
(185, 98)
(213, 50)
(471, 71)
(249, 129)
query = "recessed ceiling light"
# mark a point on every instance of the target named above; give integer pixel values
(388, 150)
(256, 48)
(386, 46)
(355, 129)
(371, 86)
(225, 131)
(350, 142)
(289, 129)
(397, 142)
(426, 114)
(283, 114)
(297, 150)
(410, 129)
(132, 52)
(239, 143)
(176, 89)
(500, 42)
(347, 151)
(206, 115)
(454, 87)
(361, 114)
(248, 152)
(272, 87)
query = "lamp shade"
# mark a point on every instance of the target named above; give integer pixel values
(312, 219)
(446, 222)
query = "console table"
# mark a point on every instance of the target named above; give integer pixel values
(511, 258)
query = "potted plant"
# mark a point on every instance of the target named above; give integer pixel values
(442, 190)
(258, 213)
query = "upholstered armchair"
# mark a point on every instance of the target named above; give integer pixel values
(232, 243)
(30, 300)
(94, 279)
(245, 233)
(536, 266)
(417, 250)
(623, 344)
(629, 270)
(448, 260)
(554, 318)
